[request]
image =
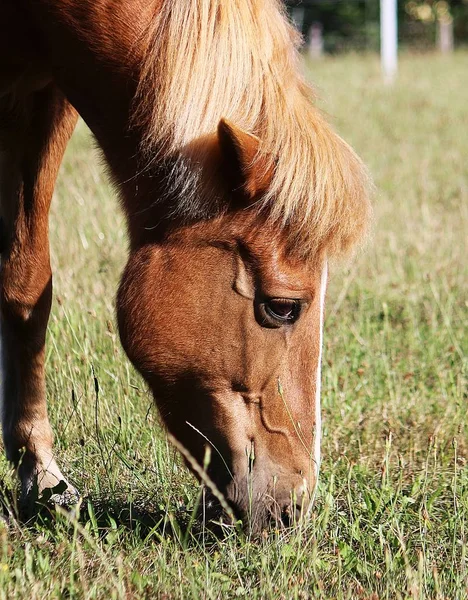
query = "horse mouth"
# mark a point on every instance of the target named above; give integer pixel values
(256, 519)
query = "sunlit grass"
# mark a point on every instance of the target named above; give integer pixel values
(391, 518)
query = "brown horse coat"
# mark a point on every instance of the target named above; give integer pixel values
(236, 191)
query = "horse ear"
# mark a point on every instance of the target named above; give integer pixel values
(248, 169)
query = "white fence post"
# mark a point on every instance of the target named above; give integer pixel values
(315, 40)
(388, 39)
(445, 34)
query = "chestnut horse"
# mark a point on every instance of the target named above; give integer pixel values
(237, 193)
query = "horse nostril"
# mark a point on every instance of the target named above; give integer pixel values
(291, 514)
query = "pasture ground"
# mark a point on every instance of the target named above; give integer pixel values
(391, 518)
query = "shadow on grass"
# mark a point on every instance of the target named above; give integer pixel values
(100, 515)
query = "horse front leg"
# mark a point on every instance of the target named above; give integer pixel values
(34, 132)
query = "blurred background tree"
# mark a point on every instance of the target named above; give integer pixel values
(354, 24)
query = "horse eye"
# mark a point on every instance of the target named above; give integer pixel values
(276, 312)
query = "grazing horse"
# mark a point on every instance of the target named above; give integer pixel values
(236, 192)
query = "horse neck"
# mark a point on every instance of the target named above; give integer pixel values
(94, 50)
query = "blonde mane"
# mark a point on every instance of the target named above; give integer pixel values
(238, 59)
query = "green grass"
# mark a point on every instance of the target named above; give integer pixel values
(391, 518)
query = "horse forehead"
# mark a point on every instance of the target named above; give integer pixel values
(289, 275)
(278, 268)
(257, 244)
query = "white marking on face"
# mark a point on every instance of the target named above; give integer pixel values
(318, 382)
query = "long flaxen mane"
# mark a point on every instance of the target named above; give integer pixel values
(239, 60)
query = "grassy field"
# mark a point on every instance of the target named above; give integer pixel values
(391, 518)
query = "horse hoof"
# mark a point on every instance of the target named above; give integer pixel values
(50, 495)
(63, 495)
